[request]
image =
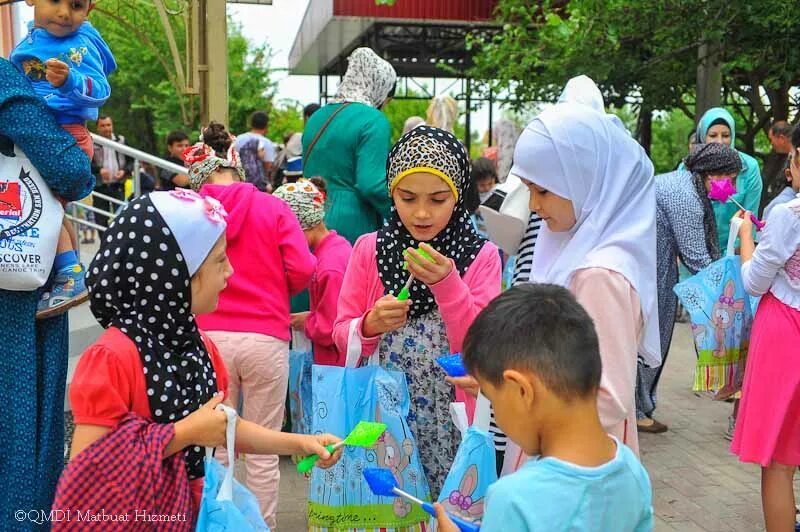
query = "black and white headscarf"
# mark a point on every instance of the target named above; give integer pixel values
(427, 149)
(704, 160)
(369, 79)
(140, 282)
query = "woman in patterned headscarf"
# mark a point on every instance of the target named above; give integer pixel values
(427, 173)
(34, 353)
(685, 229)
(347, 142)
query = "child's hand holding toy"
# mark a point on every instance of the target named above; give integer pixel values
(431, 269)
(467, 383)
(746, 229)
(388, 314)
(56, 72)
(316, 444)
(444, 524)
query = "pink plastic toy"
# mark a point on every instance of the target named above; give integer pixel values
(723, 190)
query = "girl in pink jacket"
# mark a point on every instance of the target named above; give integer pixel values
(427, 173)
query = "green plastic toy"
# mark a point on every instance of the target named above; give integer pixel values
(365, 434)
(405, 291)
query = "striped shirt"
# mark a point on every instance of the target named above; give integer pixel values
(522, 274)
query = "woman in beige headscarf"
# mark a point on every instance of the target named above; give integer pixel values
(443, 113)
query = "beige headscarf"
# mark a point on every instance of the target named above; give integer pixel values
(443, 113)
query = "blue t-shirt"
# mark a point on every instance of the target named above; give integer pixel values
(552, 495)
(90, 63)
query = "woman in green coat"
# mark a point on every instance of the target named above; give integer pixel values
(717, 125)
(352, 150)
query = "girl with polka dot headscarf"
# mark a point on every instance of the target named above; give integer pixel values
(427, 174)
(161, 262)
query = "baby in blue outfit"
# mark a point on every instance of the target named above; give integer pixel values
(535, 354)
(67, 62)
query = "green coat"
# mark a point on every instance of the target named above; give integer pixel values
(351, 155)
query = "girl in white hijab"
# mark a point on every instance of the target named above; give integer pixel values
(593, 186)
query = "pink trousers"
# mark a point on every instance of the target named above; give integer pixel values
(258, 368)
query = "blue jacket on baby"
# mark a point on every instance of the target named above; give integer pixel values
(90, 62)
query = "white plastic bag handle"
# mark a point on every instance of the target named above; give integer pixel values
(226, 489)
(483, 413)
(733, 234)
(458, 412)
(354, 347)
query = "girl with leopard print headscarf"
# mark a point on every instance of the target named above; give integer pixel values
(427, 174)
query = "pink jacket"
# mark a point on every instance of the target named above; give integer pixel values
(459, 300)
(332, 256)
(270, 259)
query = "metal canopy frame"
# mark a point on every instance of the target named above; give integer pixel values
(437, 51)
(416, 49)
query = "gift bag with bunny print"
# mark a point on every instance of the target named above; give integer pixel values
(722, 313)
(339, 498)
(474, 468)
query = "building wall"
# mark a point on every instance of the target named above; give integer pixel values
(462, 10)
(6, 30)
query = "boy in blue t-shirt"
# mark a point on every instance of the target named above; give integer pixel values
(67, 62)
(534, 351)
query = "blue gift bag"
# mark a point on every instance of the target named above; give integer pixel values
(339, 498)
(721, 312)
(300, 363)
(474, 468)
(226, 504)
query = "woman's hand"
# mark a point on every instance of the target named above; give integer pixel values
(388, 314)
(205, 426)
(469, 384)
(315, 444)
(423, 269)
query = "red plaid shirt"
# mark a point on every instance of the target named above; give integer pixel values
(123, 482)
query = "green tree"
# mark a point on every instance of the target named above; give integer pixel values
(399, 110)
(646, 54)
(285, 118)
(146, 102)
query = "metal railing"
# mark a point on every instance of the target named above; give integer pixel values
(138, 157)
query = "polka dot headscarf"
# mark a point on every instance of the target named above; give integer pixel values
(432, 150)
(139, 282)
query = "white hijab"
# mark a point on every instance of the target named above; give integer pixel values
(368, 79)
(579, 152)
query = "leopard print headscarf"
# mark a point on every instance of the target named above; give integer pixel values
(432, 150)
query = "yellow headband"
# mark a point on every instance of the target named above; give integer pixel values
(438, 173)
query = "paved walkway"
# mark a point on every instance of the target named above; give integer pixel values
(698, 485)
